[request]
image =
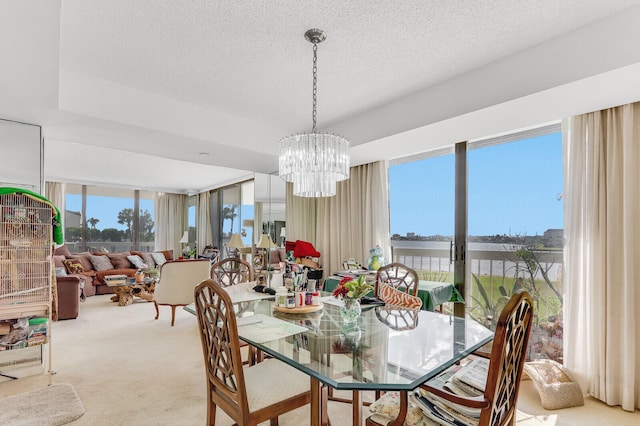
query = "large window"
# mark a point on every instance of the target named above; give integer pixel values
(111, 219)
(513, 225)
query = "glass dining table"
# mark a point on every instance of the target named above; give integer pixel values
(387, 349)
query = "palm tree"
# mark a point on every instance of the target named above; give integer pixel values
(229, 213)
(93, 221)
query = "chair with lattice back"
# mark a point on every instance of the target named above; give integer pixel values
(508, 354)
(249, 395)
(231, 271)
(398, 276)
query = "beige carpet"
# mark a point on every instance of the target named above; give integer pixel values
(53, 405)
(129, 369)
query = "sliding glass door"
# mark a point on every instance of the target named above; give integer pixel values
(421, 199)
(515, 235)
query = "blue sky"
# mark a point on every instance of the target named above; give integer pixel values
(513, 189)
(105, 208)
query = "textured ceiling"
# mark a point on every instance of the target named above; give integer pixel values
(249, 58)
(128, 81)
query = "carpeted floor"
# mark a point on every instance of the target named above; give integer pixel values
(129, 369)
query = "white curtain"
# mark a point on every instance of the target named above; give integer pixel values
(356, 219)
(204, 236)
(602, 254)
(54, 191)
(300, 217)
(170, 218)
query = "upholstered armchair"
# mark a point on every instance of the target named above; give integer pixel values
(177, 281)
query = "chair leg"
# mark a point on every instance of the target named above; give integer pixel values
(157, 310)
(173, 314)
(211, 411)
(273, 421)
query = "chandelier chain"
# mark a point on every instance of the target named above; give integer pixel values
(315, 85)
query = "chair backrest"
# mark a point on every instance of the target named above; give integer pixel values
(231, 271)
(221, 350)
(178, 278)
(398, 276)
(508, 355)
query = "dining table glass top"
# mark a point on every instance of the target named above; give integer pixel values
(386, 349)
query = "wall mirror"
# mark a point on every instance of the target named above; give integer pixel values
(269, 217)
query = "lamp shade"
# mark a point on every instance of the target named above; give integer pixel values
(282, 232)
(235, 242)
(265, 242)
(185, 238)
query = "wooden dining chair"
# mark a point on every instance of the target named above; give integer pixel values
(231, 271)
(249, 395)
(398, 276)
(508, 354)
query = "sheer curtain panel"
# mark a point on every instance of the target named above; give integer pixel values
(204, 235)
(356, 218)
(300, 217)
(170, 217)
(602, 254)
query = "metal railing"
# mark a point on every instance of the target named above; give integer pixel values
(501, 270)
(112, 247)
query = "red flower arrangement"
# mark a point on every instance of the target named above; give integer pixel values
(352, 289)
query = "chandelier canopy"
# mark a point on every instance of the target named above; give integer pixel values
(314, 162)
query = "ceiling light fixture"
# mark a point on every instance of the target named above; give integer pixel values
(314, 162)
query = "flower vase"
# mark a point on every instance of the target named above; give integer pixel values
(350, 311)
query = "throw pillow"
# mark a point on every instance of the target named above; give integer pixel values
(120, 260)
(148, 260)
(159, 258)
(61, 271)
(388, 407)
(85, 260)
(391, 296)
(73, 266)
(101, 263)
(136, 261)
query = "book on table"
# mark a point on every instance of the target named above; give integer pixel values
(467, 380)
(115, 280)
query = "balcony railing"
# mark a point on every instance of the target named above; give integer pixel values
(495, 272)
(112, 247)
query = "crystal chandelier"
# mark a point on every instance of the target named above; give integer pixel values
(314, 162)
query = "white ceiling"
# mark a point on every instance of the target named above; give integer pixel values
(131, 92)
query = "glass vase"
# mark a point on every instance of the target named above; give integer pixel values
(350, 311)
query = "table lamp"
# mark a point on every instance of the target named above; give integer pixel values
(265, 243)
(282, 235)
(235, 242)
(185, 240)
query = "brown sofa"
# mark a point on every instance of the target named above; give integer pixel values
(94, 280)
(68, 296)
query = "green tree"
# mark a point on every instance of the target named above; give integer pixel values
(73, 234)
(229, 213)
(93, 222)
(125, 217)
(146, 226)
(113, 235)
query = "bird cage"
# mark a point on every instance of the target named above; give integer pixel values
(25, 250)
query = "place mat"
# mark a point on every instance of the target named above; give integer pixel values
(244, 292)
(263, 328)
